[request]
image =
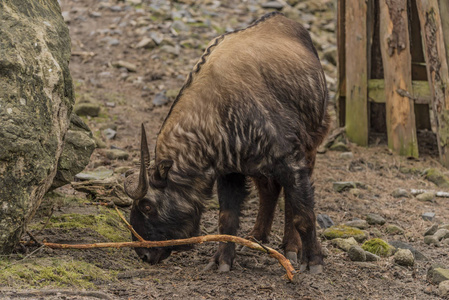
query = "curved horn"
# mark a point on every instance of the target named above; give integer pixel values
(141, 189)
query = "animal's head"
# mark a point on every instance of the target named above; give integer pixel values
(161, 209)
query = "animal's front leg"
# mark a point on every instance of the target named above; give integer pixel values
(231, 191)
(299, 196)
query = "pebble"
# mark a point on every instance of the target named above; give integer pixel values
(404, 257)
(431, 240)
(431, 230)
(109, 133)
(124, 64)
(344, 244)
(358, 223)
(401, 245)
(343, 186)
(273, 5)
(374, 219)
(393, 229)
(399, 193)
(146, 43)
(347, 155)
(342, 231)
(339, 146)
(160, 99)
(443, 288)
(371, 256)
(376, 232)
(437, 274)
(97, 174)
(441, 234)
(356, 253)
(87, 109)
(180, 26)
(428, 216)
(116, 154)
(427, 196)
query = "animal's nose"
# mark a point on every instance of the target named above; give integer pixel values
(145, 256)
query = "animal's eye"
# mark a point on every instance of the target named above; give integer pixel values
(147, 208)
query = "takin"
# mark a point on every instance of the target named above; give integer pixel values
(254, 106)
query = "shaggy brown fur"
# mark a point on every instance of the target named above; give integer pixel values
(255, 105)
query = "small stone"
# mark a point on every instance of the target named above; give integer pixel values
(180, 26)
(435, 176)
(115, 8)
(116, 154)
(443, 288)
(124, 64)
(376, 232)
(431, 240)
(160, 99)
(347, 155)
(109, 133)
(437, 274)
(431, 230)
(371, 256)
(87, 109)
(342, 231)
(110, 104)
(427, 196)
(95, 14)
(324, 221)
(121, 170)
(400, 193)
(272, 5)
(146, 43)
(339, 146)
(356, 253)
(441, 234)
(174, 50)
(343, 186)
(444, 226)
(404, 257)
(157, 37)
(356, 192)
(344, 244)
(361, 224)
(393, 229)
(428, 216)
(172, 94)
(99, 143)
(374, 219)
(401, 245)
(97, 174)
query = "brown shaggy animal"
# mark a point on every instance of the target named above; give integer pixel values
(255, 106)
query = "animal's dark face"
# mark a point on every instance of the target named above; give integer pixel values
(159, 211)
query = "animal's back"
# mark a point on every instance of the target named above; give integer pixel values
(264, 82)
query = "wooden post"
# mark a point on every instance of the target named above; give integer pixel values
(437, 70)
(356, 72)
(397, 62)
(341, 94)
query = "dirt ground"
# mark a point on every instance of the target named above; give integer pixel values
(255, 275)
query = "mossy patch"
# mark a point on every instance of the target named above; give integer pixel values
(379, 247)
(343, 231)
(52, 272)
(109, 226)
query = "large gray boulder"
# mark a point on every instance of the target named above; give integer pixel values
(36, 99)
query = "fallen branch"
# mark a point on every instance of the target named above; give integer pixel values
(129, 225)
(194, 240)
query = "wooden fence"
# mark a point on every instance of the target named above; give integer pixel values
(394, 52)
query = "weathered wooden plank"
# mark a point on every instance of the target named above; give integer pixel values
(397, 62)
(420, 91)
(356, 72)
(444, 11)
(341, 91)
(437, 71)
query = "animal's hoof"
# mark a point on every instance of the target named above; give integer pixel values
(303, 268)
(292, 256)
(224, 268)
(209, 266)
(316, 269)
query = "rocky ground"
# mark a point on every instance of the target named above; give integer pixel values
(129, 60)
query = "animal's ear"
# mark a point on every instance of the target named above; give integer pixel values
(160, 172)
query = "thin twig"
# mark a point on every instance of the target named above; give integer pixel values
(48, 220)
(194, 240)
(129, 225)
(34, 239)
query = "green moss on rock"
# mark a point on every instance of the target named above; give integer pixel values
(379, 247)
(435, 176)
(52, 272)
(343, 231)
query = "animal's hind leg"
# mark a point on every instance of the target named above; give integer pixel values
(299, 196)
(232, 190)
(269, 190)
